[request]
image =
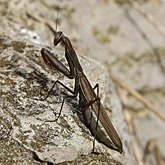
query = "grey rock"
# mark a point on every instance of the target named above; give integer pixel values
(28, 136)
(25, 80)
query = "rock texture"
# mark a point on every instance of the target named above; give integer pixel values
(101, 29)
(27, 125)
(27, 131)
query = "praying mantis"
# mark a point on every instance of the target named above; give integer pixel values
(93, 112)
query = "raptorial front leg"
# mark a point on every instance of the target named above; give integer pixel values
(50, 59)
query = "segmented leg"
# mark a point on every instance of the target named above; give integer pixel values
(75, 93)
(54, 86)
(97, 99)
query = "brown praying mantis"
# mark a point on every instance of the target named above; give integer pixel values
(94, 113)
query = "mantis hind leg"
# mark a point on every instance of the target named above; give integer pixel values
(97, 99)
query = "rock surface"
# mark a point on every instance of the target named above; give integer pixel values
(27, 122)
(104, 30)
(28, 135)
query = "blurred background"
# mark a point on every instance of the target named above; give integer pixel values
(128, 38)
